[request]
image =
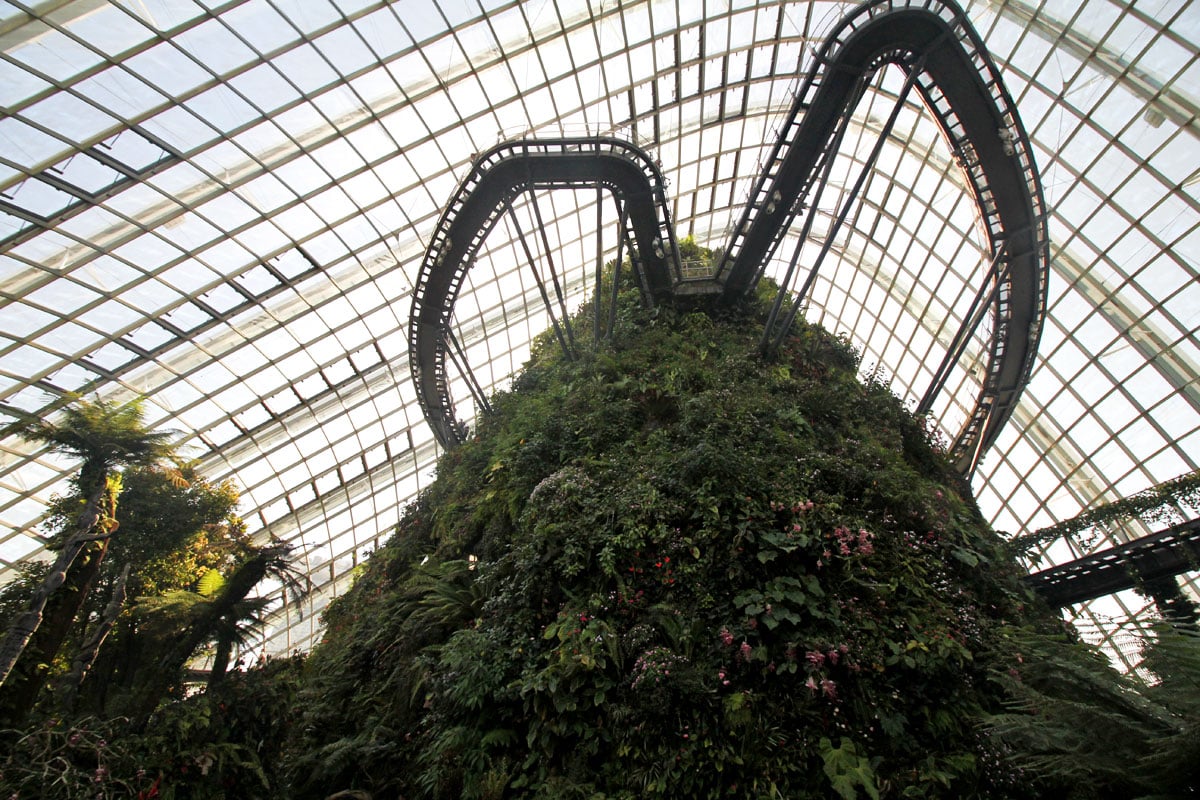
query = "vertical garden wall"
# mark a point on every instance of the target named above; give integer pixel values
(671, 568)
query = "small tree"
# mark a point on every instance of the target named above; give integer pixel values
(213, 618)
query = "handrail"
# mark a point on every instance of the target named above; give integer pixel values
(497, 177)
(945, 59)
(1159, 555)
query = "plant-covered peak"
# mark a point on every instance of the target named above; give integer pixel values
(668, 567)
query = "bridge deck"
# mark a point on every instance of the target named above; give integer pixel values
(1165, 554)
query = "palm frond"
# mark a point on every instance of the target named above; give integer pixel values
(101, 433)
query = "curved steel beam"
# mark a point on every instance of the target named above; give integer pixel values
(962, 88)
(497, 177)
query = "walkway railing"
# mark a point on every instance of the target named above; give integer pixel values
(497, 178)
(946, 62)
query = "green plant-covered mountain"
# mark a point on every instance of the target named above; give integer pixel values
(671, 568)
(666, 567)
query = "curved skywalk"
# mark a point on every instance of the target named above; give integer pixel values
(613, 168)
(936, 48)
(225, 205)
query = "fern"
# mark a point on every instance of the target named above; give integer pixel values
(1082, 729)
(210, 583)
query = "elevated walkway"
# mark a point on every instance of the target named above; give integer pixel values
(943, 59)
(1165, 554)
(499, 176)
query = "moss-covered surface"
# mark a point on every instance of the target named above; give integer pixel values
(671, 568)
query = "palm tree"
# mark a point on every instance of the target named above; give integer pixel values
(237, 629)
(213, 619)
(104, 435)
(180, 609)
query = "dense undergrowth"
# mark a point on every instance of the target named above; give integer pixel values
(671, 568)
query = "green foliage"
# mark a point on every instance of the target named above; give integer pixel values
(1080, 730)
(176, 529)
(664, 567)
(669, 568)
(209, 618)
(847, 770)
(210, 583)
(71, 762)
(173, 531)
(222, 744)
(193, 568)
(175, 526)
(103, 434)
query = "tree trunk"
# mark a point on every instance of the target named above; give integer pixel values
(26, 624)
(220, 664)
(105, 690)
(69, 686)
(21, 691)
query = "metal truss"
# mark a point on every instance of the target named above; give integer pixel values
(497, 177)
(946, 61)
(1143, 561)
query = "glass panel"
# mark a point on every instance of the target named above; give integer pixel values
(276, 149)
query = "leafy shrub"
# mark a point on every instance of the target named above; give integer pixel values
(223, 743)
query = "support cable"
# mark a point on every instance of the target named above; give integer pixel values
(512, 213)
(805, 230)
(958, 345)
(863, 174)
(558, 292)
(599, 265)
(612, 305)
(459, 357)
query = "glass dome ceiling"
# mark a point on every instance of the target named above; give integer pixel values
(224, 206)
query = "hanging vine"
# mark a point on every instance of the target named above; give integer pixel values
(1159, 505)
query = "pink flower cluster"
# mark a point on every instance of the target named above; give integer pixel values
(654, 666)
(850, 542)
(827, 687)
(795, 508)
(818, 657)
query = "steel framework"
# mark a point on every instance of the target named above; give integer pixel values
(1164, 554)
